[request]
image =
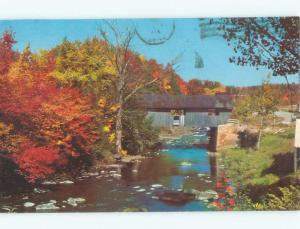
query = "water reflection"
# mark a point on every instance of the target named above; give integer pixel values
(173, 169)
(213, 164)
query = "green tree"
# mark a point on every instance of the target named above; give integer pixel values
(258, 106)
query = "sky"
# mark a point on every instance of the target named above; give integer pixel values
(184, 43)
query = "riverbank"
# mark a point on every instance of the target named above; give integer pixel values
(140, 183)
(262, 172)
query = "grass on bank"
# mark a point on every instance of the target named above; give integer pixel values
(258, 166)
(264, 167)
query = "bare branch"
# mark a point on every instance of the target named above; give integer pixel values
(134, 91)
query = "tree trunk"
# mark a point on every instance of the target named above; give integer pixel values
(119, 126)
(259, 134)
(290, 92)
(119, 132)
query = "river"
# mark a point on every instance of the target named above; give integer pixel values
(134, 188)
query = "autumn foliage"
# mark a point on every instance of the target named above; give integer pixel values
(37, 163)
(58, 106)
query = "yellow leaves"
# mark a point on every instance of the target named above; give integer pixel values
(111, 138)
(114, 108)
(109, 69)
(102, 102)
(124, 153)
(266, 88)
(213, 91)
(258, 206)
(142, 57)
(5, 129)
(167, 87)
(106, 129)
(60, 142)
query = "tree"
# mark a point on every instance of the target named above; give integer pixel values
(260, 105)
(271, 42)
(7, 55)
(127, 83)
(42, 124)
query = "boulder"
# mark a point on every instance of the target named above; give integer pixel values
(66, 182)
(39, 191)
(46, 207)
(176, 197)
(156, 185)
(75, 201)
(28, 204)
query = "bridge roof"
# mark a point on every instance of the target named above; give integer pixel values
(193, 102)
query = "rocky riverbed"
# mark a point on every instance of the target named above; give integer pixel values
(133, 184)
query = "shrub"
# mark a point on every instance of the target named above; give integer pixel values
(36, 163)
(139, 134)
(247, 139)
(288, 200)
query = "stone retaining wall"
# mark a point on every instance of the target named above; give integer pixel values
(227, 136)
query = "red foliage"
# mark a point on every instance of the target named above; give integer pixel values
(39, 103)
(7, 55)
(182, 85)
(225, 199)
(37, 163)
(156, 74)
(231, 201)
(20, 95)
(56, 118)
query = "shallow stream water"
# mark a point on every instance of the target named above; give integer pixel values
(133, 188)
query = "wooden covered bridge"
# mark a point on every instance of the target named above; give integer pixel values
(187, 111)
(191, 111)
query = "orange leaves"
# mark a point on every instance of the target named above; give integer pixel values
(102, 102)
(124, 153)
(156, 74)
(285, 97)
(114, 108)
(5, 129)
(182, 85)
(167, 87)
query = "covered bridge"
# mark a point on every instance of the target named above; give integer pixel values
(186, 111)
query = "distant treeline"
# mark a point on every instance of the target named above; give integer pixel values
(282, 90)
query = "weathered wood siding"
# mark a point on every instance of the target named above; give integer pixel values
(161, 119)
(191, 119)
(202, 119)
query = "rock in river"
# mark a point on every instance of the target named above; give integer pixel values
(66, 182)
(40, 191)
(46, 207)
(156, 185)
(203, 195)
(28, 204)
(136, 187)
(176, 197)
(75, 201)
